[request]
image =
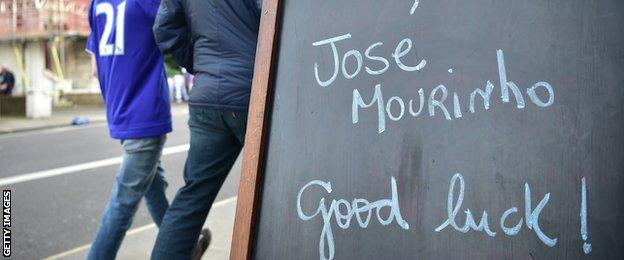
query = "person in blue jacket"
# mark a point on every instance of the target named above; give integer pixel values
(134, 87)
(216, 41)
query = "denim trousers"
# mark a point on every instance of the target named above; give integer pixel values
(140, 175)
(217, 137)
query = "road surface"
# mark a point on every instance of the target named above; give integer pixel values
(61, 178)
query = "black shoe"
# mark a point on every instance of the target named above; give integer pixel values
(202, 244)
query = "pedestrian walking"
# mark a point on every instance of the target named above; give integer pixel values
(215, 40)
(134, 87)
(7, 81)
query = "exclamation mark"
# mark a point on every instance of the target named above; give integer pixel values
(586, 246)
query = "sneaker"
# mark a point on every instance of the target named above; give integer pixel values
(202, 244)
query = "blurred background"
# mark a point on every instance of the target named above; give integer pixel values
(42, 44)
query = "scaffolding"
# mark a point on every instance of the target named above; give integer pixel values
(52, 21)
(37, 19)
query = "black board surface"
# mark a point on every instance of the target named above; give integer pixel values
(356, 168)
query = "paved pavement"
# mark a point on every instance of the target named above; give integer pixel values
(138, 243)
(61, 178)
(62, 117)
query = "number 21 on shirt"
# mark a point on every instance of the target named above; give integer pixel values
(112, 20)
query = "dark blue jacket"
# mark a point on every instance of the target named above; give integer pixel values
(215, 40)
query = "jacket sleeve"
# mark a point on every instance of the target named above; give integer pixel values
(172, 33)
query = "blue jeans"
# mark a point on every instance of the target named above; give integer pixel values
(217, 137)
(140, 175)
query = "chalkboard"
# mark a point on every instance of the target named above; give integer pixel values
(446, 129)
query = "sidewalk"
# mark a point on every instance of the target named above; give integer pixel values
(138, 243)
(62, 117)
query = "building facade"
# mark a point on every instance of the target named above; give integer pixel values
(43, 42)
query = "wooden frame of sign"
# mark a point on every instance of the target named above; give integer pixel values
(257, 129)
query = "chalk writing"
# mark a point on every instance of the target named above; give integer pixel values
(584, 235)
(344, 211)
(436, 103)
(414, 6)
(402, 49)
(506, 85)
(440, 102)
(357, 208)
(531, 215)
(332, 43)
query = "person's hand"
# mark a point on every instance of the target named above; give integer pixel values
(3, 86)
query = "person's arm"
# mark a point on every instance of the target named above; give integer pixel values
(94, 70)
(91, 47)
(172, 33)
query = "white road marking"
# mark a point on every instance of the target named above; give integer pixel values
(130, 232)
(78, 167)
(69, 252)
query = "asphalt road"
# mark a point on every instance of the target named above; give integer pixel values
(55, 214)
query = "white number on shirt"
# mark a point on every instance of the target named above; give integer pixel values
(105, 48)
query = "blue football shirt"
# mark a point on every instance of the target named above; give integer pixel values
(129, 67)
